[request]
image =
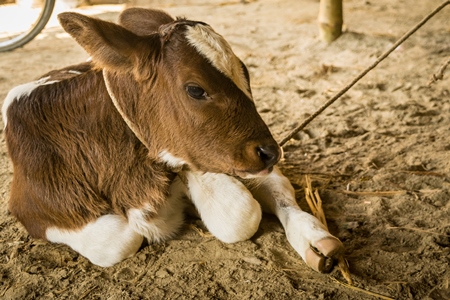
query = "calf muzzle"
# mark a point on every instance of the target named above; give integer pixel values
(269, 154)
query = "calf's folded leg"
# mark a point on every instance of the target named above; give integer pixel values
(225, 205)
(105, 242)
(113, 238)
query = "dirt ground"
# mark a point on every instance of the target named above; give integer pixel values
(380, 158)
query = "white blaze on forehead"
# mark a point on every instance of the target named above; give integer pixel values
(22, 90)
(213, 46)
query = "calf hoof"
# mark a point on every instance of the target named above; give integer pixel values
(323, 253)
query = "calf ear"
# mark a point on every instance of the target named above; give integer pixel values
(110, 45)
(143, 21)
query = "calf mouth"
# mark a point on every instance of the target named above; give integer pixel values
(248, 174)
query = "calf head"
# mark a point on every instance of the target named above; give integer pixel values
(181, 90)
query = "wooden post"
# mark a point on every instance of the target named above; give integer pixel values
(330, 20)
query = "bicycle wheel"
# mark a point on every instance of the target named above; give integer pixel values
(22, 20)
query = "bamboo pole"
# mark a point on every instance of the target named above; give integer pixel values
(330, 20)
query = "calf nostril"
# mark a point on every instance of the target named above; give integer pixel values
(269, 154)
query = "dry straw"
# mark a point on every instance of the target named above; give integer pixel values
(315, 204)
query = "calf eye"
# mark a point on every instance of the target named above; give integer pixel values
(196, 92)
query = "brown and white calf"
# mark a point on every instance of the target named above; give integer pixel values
(106, 152)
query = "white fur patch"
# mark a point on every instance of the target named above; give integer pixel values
(302, 229)
(105, 242)
(216, 49)
(111, 238)
(225, 205)
(170, 160)
(166, 221)
(138, 221)
(20, 91)
(74, 72)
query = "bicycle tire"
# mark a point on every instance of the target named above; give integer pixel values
(29, 35)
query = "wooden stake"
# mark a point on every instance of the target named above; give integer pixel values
(330, 20)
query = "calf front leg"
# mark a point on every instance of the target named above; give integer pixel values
(305, 233)
(226, 206)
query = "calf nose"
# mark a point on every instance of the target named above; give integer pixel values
(269, 155)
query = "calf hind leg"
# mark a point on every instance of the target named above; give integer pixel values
(112, 238)
(105, 242)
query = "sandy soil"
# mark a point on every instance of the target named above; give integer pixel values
(380, 157)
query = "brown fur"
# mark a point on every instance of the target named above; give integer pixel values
(74, 156)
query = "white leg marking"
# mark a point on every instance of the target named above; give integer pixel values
(226, 206)
(105, 242)
(172, 161)
(166, 221)
(277, 196)
(303, 230)
(22, 90)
